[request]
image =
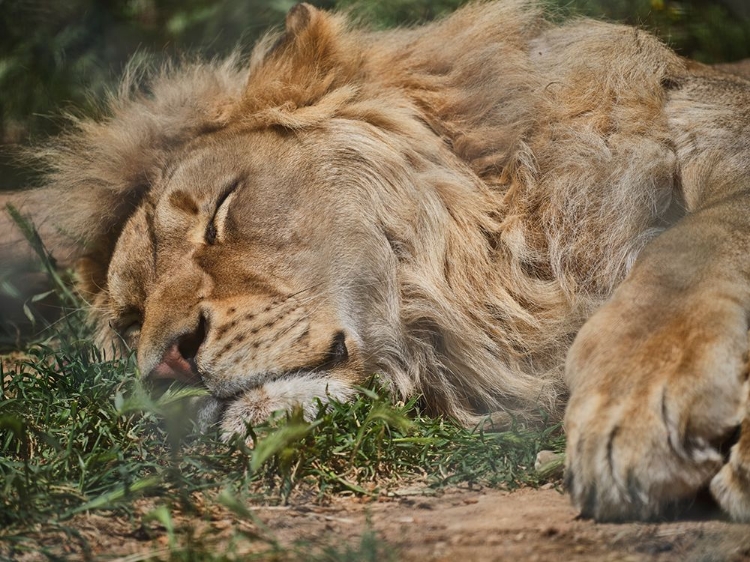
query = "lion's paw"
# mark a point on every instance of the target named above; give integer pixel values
(649, 411)
(628, 461)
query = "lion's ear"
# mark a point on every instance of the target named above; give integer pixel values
(312, 36)
(318, 54)
(299, 17)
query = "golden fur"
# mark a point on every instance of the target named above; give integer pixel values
(445, 205)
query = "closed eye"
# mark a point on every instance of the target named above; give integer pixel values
(214, 230)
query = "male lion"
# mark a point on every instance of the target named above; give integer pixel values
(447, 206)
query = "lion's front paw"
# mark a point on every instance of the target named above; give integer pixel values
(628, 460)
(651, 402)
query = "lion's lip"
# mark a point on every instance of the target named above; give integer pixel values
(185, 374)
(229, 389)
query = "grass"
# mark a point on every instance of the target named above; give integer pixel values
(79, 434)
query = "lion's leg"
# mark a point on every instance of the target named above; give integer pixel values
(658, 375)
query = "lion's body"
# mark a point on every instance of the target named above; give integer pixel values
(445, 206)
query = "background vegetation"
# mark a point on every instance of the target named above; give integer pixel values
(60, 54)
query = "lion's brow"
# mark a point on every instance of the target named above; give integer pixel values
(228, 189)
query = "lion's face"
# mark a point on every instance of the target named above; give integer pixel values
(238, 273)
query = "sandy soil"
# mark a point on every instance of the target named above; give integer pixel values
(455, 525)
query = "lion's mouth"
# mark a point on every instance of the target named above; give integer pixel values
(255, 401)
(234, 401)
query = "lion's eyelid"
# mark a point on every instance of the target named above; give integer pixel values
(220, 214)
(211, 232)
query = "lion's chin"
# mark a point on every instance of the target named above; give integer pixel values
(306, 391)
(207, 412)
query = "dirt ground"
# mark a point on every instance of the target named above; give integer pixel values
(454, 525)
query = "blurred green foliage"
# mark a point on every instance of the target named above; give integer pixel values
(56, 55)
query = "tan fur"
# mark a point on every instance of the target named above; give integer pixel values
(446, 206)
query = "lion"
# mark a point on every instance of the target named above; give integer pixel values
(493, 211)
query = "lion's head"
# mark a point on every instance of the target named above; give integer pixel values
(245, 271)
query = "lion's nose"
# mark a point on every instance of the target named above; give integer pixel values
(178, 362)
